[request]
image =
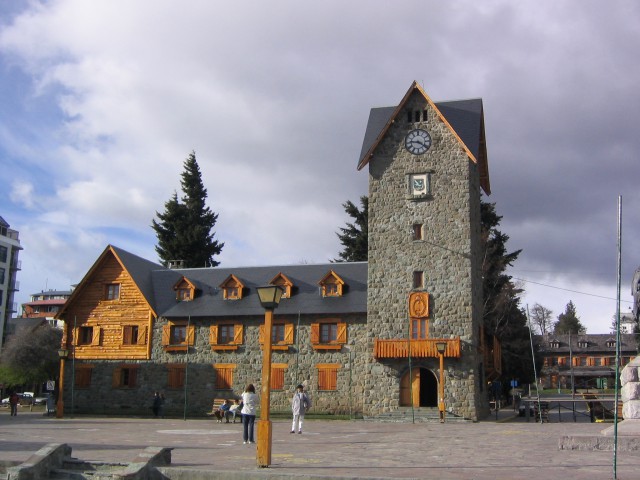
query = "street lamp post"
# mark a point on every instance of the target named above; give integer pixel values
(441, 348)
(269, 299)
(62, 353)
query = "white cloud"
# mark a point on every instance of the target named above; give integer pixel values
(274, 98)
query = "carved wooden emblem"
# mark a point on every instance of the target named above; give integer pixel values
(419, 305)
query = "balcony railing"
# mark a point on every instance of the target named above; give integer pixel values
(419, 348)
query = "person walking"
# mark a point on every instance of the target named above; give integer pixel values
(250, 403)
(13, 402)
(299, 405)
(157, 401)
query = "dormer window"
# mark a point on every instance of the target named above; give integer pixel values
(282, 281)
(583, 344)
(232, 288)
(554, 344)
(611, 343)
(185, 290)
(331, 285)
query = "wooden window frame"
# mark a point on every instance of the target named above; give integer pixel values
(422, 331)
(167, 336)
(341, 334)
(112, 292)
(128, 334)
(328, 376)
(238, 336)
(176, 375)
(289, 332)
(185, 290)
(283, 282)
(232, 288)
(84, 332)
(125, 376)
(224, 375)
(82, 376)
(331, 285)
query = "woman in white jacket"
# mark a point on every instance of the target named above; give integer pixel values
(250, 401)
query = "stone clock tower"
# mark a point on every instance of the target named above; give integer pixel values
(427, 166)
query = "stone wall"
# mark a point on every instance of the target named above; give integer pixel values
(301, 358)
(448, 256)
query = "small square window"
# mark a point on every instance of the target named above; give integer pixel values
(328, 332)
(85, 335)
(130, 335)
(418, 279)
(178, 334)
(112, 291)
(417, 231)
(277, 333)
(226, 334)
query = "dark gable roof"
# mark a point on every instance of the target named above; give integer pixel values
(464, 116)
(306, 297)
(596, 342)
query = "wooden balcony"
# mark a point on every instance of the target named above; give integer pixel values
(419, 348)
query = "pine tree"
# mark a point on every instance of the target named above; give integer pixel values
(184, 230)
(355, 237)
(568, 321)
(503, 316)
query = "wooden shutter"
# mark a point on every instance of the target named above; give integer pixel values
(95, 336)
(238, 329)
(166, 335)
(213, 335)
(126, 335)
(277, 378)
(327, 378)
(224, 378)
(142, 335)
(288, 334)
(83, 377)
(133, 376)
(191, 335)
(315, 333)
(115, 379)
(341, 337)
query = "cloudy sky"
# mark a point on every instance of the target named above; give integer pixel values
(102, 101)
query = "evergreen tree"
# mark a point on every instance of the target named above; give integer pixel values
(184, 229)
(355, 237)
(568, 321)
(503, 316)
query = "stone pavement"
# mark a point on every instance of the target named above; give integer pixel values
(503, 448)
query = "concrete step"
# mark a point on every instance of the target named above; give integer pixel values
(420, 414)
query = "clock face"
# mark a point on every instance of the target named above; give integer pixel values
(418, 141)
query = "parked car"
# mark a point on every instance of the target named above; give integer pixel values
(23, 399)
(41, 400)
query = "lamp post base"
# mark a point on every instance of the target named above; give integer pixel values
(263, 453)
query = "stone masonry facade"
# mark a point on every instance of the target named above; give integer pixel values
(448, 255)
(302, 358)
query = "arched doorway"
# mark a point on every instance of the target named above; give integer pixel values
(419, 387)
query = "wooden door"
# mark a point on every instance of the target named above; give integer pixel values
(410, 388)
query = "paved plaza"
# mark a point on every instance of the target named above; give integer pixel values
(503, 448)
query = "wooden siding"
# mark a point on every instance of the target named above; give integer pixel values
(419, 348)
(108, 317)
